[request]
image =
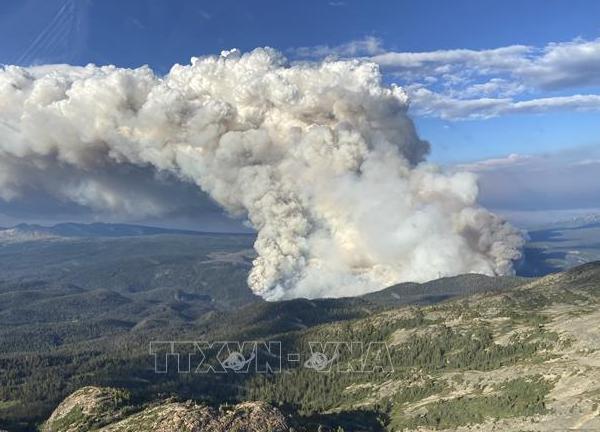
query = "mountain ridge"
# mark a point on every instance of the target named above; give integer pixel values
(102, 229)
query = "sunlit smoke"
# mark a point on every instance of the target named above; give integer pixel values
(320, 158)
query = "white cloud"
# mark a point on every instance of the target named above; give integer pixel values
(482, 84)
(466, 84)
(429, 103)
(511, 160)
(563, 65)
(444, 61)
(367, 46)
(493, 87)
(586, 162)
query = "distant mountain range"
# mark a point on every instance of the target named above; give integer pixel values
(550, 249)
(562, 245)
(576, 221)
(35, 232)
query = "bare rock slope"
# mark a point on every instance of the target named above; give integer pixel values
(107, 410)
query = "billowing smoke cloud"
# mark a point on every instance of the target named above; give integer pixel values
(320, 158)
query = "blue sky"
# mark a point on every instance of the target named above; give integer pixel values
(488, 79)
(161, 33)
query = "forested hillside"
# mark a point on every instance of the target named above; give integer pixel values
(503, 356)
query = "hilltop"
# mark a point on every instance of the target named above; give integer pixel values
(108, 410)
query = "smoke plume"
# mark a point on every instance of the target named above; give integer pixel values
(320, 158)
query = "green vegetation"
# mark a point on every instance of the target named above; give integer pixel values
(518, 397)
(75, 418)
(66, 323)
(472, 349)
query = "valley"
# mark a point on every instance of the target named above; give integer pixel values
(468, 353)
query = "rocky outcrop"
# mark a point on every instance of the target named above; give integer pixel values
(88, 408)
(105, 410)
